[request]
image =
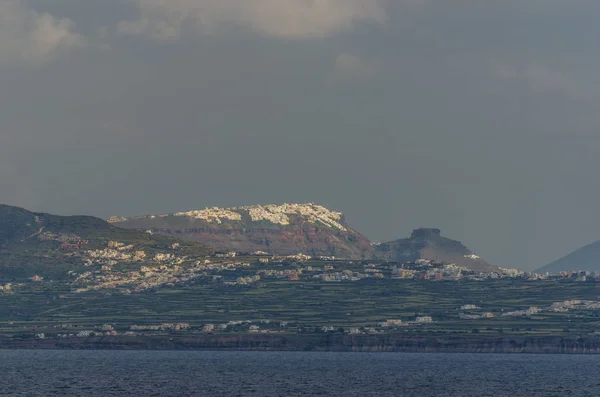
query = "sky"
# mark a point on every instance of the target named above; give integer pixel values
(476, 117)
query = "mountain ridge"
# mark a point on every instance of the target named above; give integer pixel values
(287, 228)
(586, 258)
(300, 228)
(429, 244)
(275, 229)
(36, 243)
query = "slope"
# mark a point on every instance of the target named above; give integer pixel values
(277, 229)
(429, 244)
(586, 258)
(51, 245)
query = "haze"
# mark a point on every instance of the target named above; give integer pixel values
(478, 118)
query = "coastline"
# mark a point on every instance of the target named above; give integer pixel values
(323, 343)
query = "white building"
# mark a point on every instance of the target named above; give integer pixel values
(424, 319)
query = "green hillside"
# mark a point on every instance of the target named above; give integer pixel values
(50, 245)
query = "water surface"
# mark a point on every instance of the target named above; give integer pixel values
(146, 373)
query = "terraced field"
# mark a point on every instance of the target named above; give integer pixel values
(306, 305)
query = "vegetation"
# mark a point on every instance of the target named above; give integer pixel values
(308, 306)
(24, 253)
(63, 275)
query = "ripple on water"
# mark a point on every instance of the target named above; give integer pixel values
(106, 373)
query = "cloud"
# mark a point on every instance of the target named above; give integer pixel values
(287, 19)
(349, 67)
(545, 79)
(353, 66)
(26, 34)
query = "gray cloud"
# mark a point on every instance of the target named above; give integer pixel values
(545, 79)
(351, 66)
(165, 19)
(476, 117)
(26, 34)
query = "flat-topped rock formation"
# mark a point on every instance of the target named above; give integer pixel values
(429, 244)
(278, 229)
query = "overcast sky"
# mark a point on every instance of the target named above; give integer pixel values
(476, 117)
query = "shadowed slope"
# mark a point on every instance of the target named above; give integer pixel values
(44, 244)
(586, 258)
(429, 244)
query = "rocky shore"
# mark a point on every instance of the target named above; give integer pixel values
(328, 342)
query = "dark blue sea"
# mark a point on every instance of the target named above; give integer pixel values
(145, 373)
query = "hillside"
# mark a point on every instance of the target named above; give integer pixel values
(74, 281)
(277, 229)
(45, 245)
(586, 258)
(429, 244)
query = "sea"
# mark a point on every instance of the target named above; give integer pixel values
(206, 373)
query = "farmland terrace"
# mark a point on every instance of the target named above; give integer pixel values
(301, 303)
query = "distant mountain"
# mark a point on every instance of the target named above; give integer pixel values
(50, 245)
(277, 229)
(586, 258)
(429, 244)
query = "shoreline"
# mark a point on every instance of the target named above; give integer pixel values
(321, 343)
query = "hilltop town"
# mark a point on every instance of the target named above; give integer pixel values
(105, 271)
(79, 281)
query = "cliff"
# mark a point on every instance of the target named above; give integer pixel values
(277, 229)
(328, 342)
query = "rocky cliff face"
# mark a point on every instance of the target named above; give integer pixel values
(429, 244)
(278, 229)
(329, 342)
